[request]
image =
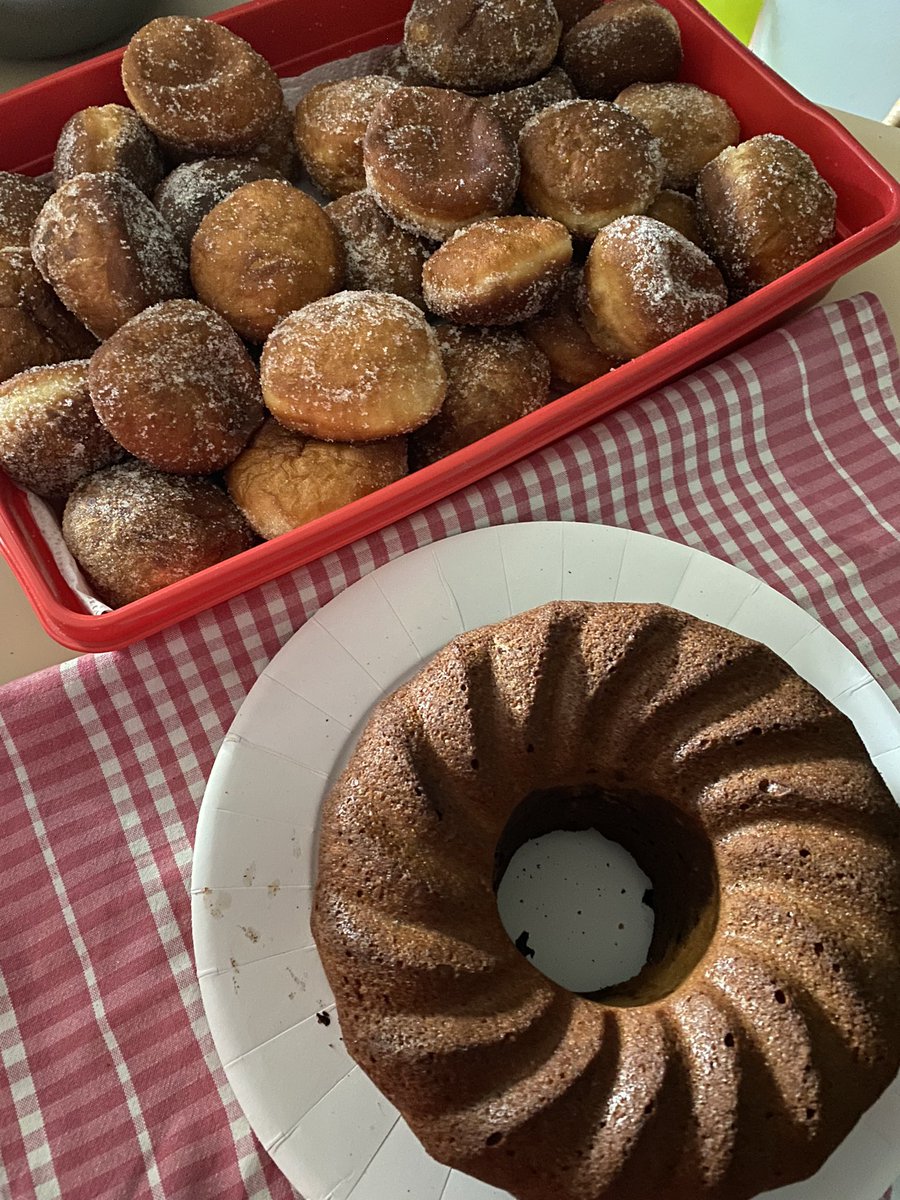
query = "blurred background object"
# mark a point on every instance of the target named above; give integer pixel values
(739, 16)
(38, 29)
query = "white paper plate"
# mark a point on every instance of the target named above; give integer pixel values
(326, 1126)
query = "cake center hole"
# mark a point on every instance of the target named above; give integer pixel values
(579, 907)
(608, 891)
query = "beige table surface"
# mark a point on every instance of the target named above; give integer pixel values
(24, 647)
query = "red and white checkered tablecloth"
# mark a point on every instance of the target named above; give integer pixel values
(783, 459)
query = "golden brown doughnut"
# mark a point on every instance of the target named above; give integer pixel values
(482, 45)
(437, 160)
(497, 272)
(21, 199)
(284, 479)
(692, 125)
(134, 530)
(199, 86)
(106, 251)
(621, 42)
(644, 283)
(195, 188)
(586, 162)
(517, 106)
(355, 367)
(494, 376)
(329, 123)
(276, 148)
(108, 138)
(679, 210)
(50, 435)
(379, 255)
(262, 252)
(765, 209)
(177, 389)
(35, 329)
(559, 334)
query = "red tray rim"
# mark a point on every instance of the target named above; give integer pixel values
(20, 539)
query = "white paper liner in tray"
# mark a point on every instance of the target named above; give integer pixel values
(269, 1006)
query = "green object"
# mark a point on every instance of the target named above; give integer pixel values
(737, 15)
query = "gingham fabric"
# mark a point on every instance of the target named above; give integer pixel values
(783, 459)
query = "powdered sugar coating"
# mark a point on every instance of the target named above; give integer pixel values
(436, 160)
(497, 272)
(108, 138)
(50, 435)
(283, 479)
(397, 66)
(586, 162)
(379, 255)
(329, 124)
(765, 209)
(494, 377)
(199, 86)
(692, 125)
(177, 389)
(356, 366)
(106, 251)
(35, 329)
(619, 43)
(645, 283)
(134, 530)
(192, 190)
(21, 199)
(517, 106)
(482, 45)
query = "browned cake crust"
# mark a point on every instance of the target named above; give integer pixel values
(437, 160)
(767, 1018)
(106, 251)
(765, 209)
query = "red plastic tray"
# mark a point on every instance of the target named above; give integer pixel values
(296, 36)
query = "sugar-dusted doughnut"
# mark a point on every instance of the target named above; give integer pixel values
(482, 45)
(177, 389)
(692, 125)
(516, 106)
(35, 329)
(262, 252)
(644, 283)
(679, 210)
(586, 162)
(50, 435)
(285, 479)
(572, 11)
(195, 188)
(436, 160)
(559, 334)
(765, 209)
(276, 147)
(497, 272)
(199, 86)
(329, 123)
(396, 65)
(134, 530)
(106, 251)
(21, 199)
(621, 42)
(494, 376)
(355, 367)
(379, 255)
(108, 137)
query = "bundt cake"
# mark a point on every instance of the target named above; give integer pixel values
(767, 1017)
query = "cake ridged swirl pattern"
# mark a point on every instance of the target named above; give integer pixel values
(767, 1018)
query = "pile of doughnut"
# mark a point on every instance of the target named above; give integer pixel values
(195, 353)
